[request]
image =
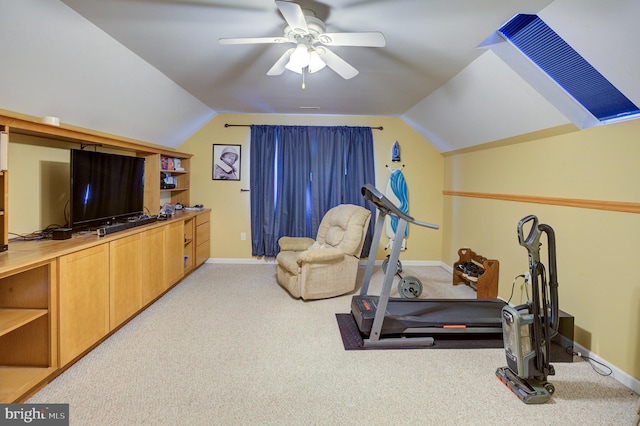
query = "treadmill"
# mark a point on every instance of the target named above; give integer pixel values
(390, 322)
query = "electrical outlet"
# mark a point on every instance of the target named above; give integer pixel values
(527, 277)
(243, 236)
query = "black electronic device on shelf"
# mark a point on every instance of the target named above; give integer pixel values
(121, 226)
(164, 184)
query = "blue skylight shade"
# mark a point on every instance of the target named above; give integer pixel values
(567, 68)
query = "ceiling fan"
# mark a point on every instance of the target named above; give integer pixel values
(307, 32)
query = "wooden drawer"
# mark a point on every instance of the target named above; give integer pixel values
(202, 233)
(202, 218)
(202, 253)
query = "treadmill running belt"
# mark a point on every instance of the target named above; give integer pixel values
(353, 340)
(432, 315)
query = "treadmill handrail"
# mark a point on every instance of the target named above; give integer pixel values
(374, 196)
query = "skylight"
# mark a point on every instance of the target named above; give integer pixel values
(567, 68)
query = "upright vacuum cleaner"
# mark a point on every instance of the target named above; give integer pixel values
(528, 328)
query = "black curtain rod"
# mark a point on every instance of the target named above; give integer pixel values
(248, 125)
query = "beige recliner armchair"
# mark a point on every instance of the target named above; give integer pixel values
(328, 266)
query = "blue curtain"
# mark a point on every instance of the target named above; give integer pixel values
(358, 169)
(292, 183)
(327, 169)
(263, 177)
(298, 173)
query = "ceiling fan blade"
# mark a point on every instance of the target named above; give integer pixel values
(253, 40)
(292, 13)
(279, 67)
(336, 63)
(370, 39)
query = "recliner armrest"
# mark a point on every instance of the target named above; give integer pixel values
(320, 255)
(295, 243)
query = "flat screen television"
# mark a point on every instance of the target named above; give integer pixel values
(105, 188)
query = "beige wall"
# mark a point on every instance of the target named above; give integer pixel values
(424, 171)
(597, 249)
(39, 182)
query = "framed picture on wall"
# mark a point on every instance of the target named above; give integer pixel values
(226, 162)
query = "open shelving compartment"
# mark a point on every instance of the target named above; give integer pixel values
(179, 193)
(27, 329)
(189, 245)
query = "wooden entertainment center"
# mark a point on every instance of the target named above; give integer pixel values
(61, 298)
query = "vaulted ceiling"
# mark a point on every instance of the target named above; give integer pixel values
(154, 70)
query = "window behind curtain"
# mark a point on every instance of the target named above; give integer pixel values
(298, 173)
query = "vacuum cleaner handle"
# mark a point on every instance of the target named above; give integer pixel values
(553, 275)
(532, 242)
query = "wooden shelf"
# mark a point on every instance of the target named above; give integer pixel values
(15, 382)
(173, 189)
(31, 127)
(12, 319)
(28, 325)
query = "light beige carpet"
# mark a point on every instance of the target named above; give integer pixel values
(228, 346)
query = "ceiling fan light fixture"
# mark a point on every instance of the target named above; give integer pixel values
(291, 68)
(315, 62)
(306, 31)
(299, 58)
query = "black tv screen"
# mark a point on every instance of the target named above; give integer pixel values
(105, 188)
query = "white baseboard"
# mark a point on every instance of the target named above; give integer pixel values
(447, 267)
(619, 375)
(363, 262)
(242, 261)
